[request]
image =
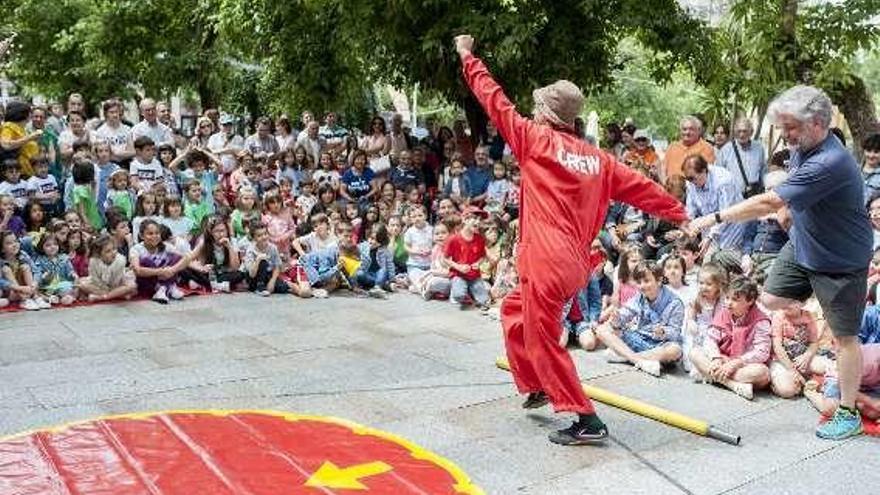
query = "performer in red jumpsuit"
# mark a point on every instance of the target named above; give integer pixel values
(567, 185)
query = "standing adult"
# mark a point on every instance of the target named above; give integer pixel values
(262, 144)
(334, 135)
(226, 144)
(116, 134)
(150, 126)
(567, 185)
(744, 159)
(15, 142)
(312, 142)
(831, 240)
(690, 142)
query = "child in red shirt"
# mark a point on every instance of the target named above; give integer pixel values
(464, 252)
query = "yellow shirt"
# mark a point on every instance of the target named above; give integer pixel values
(677, 153)
(10, 131)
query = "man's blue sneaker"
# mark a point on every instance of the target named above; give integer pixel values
(843, 424)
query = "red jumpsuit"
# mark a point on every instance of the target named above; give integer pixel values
(567, 185)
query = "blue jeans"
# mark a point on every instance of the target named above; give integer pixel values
(478, 290)
(369, 280)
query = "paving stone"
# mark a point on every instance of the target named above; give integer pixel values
(843, 467)
(77, 369)
(217, 351)
(772, 440)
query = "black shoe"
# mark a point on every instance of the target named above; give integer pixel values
(580, 434)
(536, 400)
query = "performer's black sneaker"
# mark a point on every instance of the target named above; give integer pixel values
(536, 400)
(589, 430)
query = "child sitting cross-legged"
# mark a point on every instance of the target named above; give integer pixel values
(647, 330)
(377, 263)
(465, 252)
(737, 346)
(262, 263)
(156, 267)
(108, 278)
(795, 344)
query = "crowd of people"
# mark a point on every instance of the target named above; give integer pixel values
(97, 209)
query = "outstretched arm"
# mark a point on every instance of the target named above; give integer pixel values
(635, 189)
(513, 127)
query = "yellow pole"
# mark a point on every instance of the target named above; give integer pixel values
(649, 411)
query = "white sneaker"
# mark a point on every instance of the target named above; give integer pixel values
(42, 303)
(320, 293)
(696, 376)
(744, 390)
(30, 305)
(175, 293)
(161, 295)
(264, 293)
(377, 292)
(613, 357)
(194, 285)
(4, 302)
(221, 287)
(649, 366)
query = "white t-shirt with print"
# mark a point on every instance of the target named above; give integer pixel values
(421, 239)
(147, 173)
(18, 191)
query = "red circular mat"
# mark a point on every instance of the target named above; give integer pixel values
(220, 453)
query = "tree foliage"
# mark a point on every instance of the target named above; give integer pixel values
(115, 47)
(766, 46)
(321, 54)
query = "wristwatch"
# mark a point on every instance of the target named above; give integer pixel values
(718, 218)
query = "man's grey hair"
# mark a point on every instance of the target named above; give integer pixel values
(804, 103)
(744, 122)
(690, 119)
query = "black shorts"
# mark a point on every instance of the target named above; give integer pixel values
(841, 295)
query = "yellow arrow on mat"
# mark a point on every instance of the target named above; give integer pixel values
(330, 475)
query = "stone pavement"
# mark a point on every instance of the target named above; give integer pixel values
(421, 370)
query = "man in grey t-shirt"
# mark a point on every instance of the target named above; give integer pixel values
(831, 237)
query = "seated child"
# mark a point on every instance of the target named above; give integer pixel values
(319, 238)
(216, 250)
(108, 278)
(795, 344)
(156, 267)
(418, 242)
(377, 263)
(324, 268)
(57, 279)
(19, 273)
(700, 314)
(262, 263)
(436, 282)
(647, 330)
(868, 398)
(464, 252)
(737, 347)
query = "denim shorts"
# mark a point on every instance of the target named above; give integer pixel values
(639, 342)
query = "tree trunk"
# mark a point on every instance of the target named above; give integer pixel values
(855, 101)
(476, 119)
(208, 96)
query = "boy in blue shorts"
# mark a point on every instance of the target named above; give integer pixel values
(647, 331)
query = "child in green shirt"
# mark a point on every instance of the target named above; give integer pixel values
(84, 198)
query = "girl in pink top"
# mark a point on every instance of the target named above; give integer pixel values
(626, 288)
(280, 224)
(795, 343)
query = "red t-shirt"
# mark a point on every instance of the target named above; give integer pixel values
(465, 252)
